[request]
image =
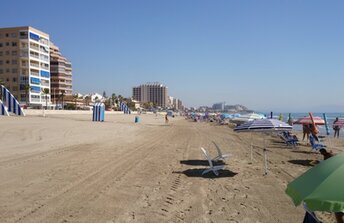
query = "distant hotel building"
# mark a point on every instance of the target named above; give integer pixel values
(61, 74)
(151, 92)
(219, 106)
(24, 60)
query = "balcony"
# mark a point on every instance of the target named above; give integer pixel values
(34, 46)
(34, 64)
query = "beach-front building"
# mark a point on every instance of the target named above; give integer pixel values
(151, 92)
(24, 61)
(61, 74)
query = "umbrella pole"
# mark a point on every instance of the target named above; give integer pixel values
(265, 159)
(251, 149)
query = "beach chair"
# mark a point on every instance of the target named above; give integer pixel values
(211, 168)
(315, 146)
(310, 217)
(288, 139)
(220, 155)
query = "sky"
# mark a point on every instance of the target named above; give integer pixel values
(264, 54)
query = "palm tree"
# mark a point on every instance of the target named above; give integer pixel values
(27, 89)
(75, 97)
(63, 92)
(45, 91)
(87, 100)
(113, 98)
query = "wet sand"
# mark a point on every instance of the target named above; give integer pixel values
(65, 168)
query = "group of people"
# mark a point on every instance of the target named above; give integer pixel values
(310, 129)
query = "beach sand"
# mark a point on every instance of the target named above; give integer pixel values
(65, 168)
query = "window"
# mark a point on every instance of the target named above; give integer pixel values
(13, 35)
(14, 61)
(14, 53)
(1, 35)
(14, 71)
(7, 43)
(1, 71)
(0, 44)
(7, 71)
(0, 62)
(7, 62)
(35, 89)
(23, 35)
(6, 35)
(7, 53)
(14, 43)
(1, 53)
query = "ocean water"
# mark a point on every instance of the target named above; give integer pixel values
(330, 119)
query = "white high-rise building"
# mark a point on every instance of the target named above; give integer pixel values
(25, 60)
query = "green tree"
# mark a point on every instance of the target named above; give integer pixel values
(45, 91)
(27, 89)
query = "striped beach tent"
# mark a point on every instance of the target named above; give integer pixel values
(124, 107)
(98, 112)
(10, 103)
(3, 110)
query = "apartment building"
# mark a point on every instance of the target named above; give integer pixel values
(61, 74)
(24, 60)
(151, 92)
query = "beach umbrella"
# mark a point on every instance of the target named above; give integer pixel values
(326, 124)
(290, 120)
(339, 123)
(308, 120)
(280, 117)
(321, 187)
(263, 125)
(248, 117)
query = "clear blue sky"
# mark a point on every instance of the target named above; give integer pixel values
(267, 55)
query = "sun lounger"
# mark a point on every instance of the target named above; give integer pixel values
(289, 139)
(211, 168)
(315, 146)
(220, 155)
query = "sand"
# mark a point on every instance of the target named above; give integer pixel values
(65, 168)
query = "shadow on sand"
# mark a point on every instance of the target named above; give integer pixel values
(304, 152)
(198, 173)
(302, 162)
(201, 162)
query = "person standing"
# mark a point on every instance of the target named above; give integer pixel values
(336, 128)
(166, 119)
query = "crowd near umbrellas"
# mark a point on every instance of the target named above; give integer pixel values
(263, 125)
(321, 187)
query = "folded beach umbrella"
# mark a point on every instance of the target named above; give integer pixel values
(321, 187)
(308, 120)
(261, 125)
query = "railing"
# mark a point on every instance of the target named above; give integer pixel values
(34, 65)
(34, 74)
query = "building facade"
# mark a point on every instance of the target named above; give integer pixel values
(61, 74)
(25, 61)
(151, 92)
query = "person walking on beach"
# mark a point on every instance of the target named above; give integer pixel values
(336, 128)
(166, 119)
(306, 130)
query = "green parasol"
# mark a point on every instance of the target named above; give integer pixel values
(321, 187)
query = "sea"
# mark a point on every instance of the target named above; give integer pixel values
(330, 119)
